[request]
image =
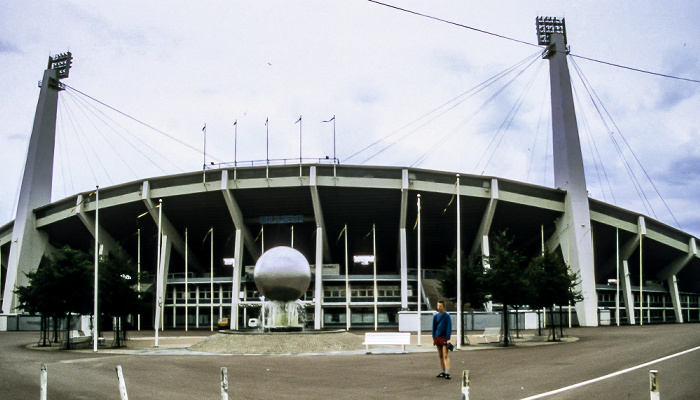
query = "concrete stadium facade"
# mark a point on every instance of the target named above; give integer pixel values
(311, 204)
(320, 200)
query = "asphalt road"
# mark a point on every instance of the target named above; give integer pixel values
(496, 373)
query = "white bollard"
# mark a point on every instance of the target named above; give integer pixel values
(654, 385)
(465, 384)
(44, 381)
(224, 383)
(122, 385)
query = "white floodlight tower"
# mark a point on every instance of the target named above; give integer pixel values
(574, 227)
(28, 244)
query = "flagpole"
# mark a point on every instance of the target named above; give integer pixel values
(235, 142)
(460, 328)
(138, 275)
(158, 289)
(187, 292)
(347, 283)
(267, 138)
(420, 288)
(299, 121)
(333, 119)
(211, 279)
(374, 244)
(617, 276)
(204, 151)
(97, 256)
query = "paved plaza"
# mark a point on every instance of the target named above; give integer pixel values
(527, 369)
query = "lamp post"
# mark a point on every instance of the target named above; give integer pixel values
(97, 258)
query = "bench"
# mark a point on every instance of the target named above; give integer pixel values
(387, 338)
(489, 333)
(76, 336)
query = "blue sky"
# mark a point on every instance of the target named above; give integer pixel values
(179, 65)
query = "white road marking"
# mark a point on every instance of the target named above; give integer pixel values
(624, 371)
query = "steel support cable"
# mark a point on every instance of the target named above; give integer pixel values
(597, 151)
(80, 142)
(635, 182)
(99, 131)
(453, 23)
(635, 69)
(505, 125)
(143, 123)
(630, 172)
(476, 89)
(493, 139)
(95, 110)
(595, 156)
(146, 145)
(90, 146)
(537, 133)
(635, 157)
(456, 129)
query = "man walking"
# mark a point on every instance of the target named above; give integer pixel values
(442, 329)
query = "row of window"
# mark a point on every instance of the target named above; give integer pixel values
(651, 298)
(329, 292)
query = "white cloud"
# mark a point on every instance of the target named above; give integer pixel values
(177, 65)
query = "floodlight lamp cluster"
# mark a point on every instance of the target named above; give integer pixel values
(548, 25)
(61, 63)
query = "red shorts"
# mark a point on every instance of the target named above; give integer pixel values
(439, 341)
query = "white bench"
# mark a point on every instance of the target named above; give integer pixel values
(76, 337)
(387, 338)
(489, 333)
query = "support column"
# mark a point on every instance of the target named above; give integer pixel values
(318, 279)
(402, 240)
(486, 219)
(176, 240)
(669, 274)
(236, 285)
(161, 280)
(28, 244)
(569, 176)
(237, 216)
(627, 293)
(110, 245)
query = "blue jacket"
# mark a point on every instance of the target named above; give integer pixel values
(442, 325)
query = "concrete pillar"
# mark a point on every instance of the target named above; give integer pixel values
(627, 293)
(318, 279)
(237, 268)
(28, 244)
(402, 239)
(569, 176)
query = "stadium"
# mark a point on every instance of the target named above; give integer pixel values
(212, 226)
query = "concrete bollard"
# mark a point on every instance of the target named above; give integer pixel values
(465, 384)
(224, 383)
(122, 385)
(43, 378)
(654, 385)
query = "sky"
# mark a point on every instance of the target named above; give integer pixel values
(387, 76)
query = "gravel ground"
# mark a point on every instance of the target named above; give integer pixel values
(281, 343)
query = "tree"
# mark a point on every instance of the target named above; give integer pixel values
(552, 283)
(60, 287)
(504, 279)
(63, 285)
(472, 277)
(117, 296)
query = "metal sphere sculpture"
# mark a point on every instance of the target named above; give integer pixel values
(282, 273)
